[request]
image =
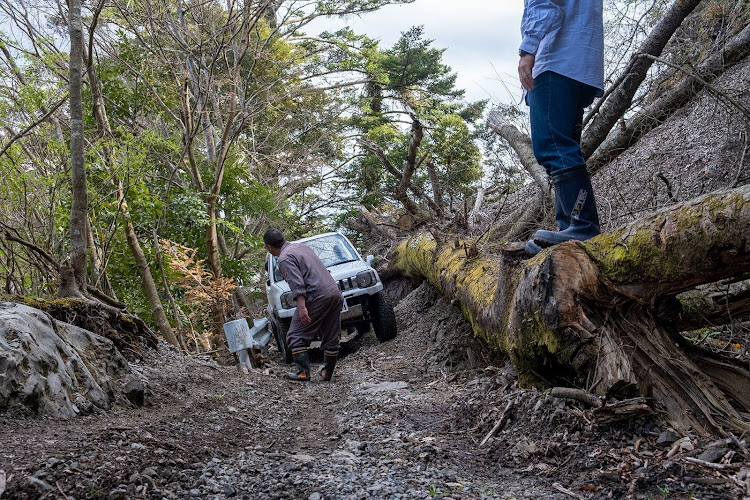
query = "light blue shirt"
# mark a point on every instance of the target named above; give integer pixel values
(567, 37)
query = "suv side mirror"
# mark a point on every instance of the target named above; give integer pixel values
(370, 259)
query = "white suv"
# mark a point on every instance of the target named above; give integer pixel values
(364, 301)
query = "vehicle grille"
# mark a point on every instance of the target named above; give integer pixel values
(347, 284)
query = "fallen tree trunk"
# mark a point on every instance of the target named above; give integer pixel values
(602, 312)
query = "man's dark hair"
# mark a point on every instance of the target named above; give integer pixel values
(274, 237)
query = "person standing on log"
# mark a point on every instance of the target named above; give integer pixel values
(561, 69)
(319, 303)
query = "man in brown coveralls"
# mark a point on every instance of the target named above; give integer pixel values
(319, 303)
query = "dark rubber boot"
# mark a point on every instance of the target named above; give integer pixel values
(575, 195)
(532, 248)
(303, 366)
(329, 363)
(562, 219)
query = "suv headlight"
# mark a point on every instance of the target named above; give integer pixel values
(287, 301)
(366, 279)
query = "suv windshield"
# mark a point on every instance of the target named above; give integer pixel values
(332, 249)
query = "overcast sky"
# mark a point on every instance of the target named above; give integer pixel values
(481, 38)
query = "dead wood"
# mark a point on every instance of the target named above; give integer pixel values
(577, 395)
(622, 410)
(709, 465)
(711, 309)
(521, 144)
(621, 138)
(621, 97)
(498, 425)
(593, 311)
(380, 227)
(526, 216)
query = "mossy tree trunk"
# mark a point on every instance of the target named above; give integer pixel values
(605, 312)
(73, 282)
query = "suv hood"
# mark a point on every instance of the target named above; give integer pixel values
(339, 272)
(347, 269)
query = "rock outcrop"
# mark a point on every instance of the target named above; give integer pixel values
(55, 368)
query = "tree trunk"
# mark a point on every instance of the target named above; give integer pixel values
(620, 139)
(144, 271)
(544, 199)
(616, 104)
(79, 205)
(521, 144)
(437, 189)
(175, 311)
(152, 295)
(602, 312)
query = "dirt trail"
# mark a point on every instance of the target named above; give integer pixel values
(403, 419)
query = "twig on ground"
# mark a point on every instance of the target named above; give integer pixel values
(738, 444)
(241, 420)
(559, 487)
(703, 463)
(498, 425)
(66, 497)
(578, 395)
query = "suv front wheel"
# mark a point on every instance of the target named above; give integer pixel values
(280, 327)
(383, 317)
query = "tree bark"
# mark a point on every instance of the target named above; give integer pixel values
(402, 195)
(602, 312)
(79, 205)
(437, 189)
(372, 222)
(152, 295)
(170, 298)
(544, 199)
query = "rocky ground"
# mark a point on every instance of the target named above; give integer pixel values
(427, 415)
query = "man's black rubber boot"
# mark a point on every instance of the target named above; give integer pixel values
(562, 219)
(575, 196)
(302, 361)
(329, 363)
(532, 248)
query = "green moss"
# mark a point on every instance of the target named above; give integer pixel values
(688, 216)
(475, 281)
(642, 255)
(57, 303)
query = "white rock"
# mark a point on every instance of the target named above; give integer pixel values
(54, 367)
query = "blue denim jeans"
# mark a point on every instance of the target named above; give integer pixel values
(556, 107)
